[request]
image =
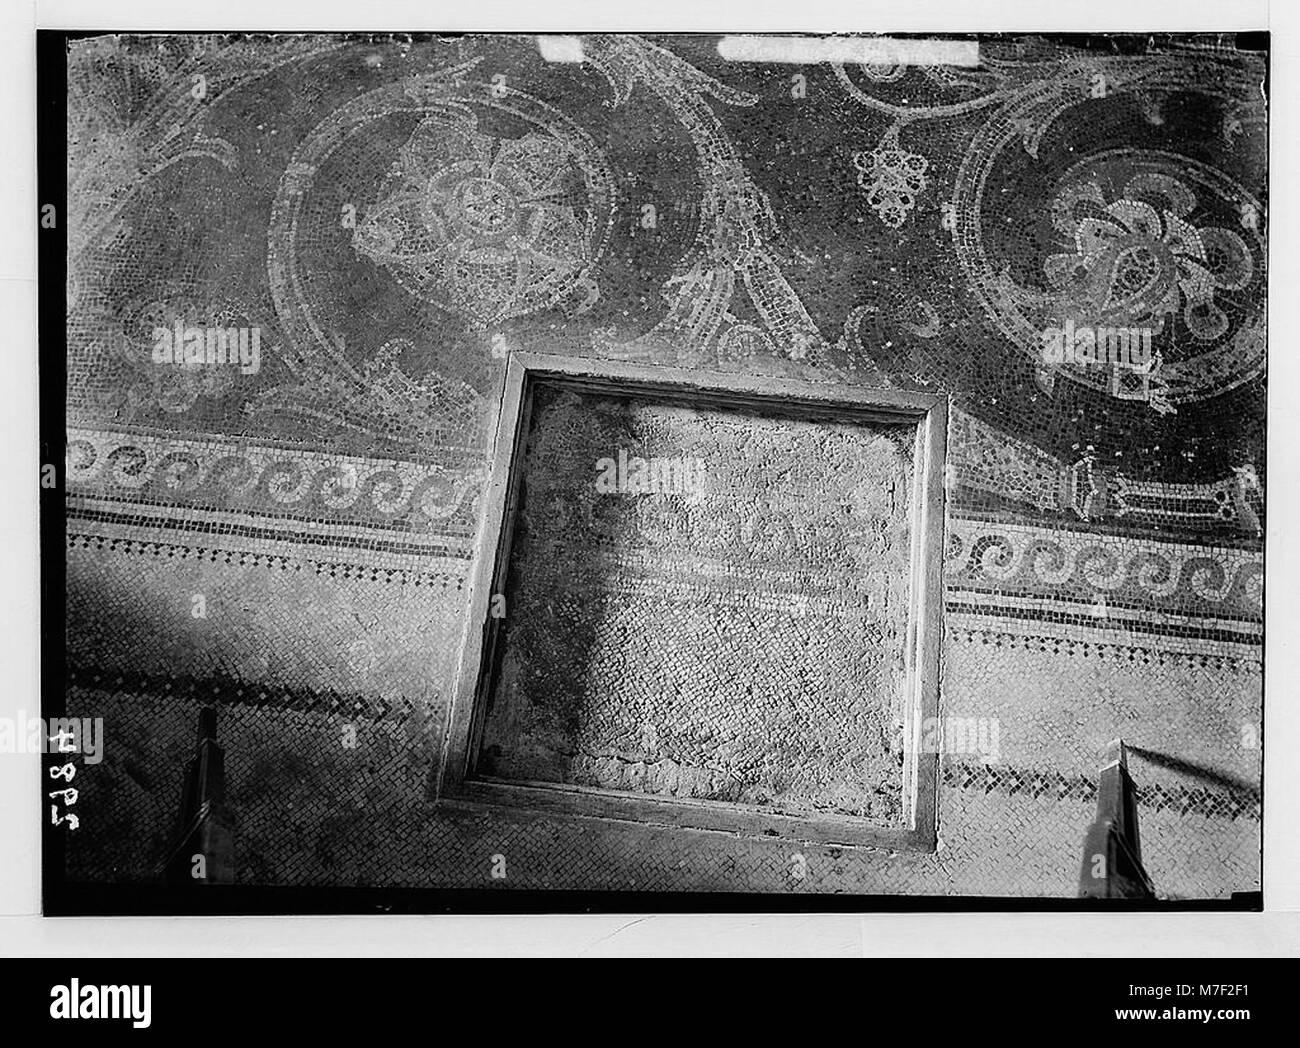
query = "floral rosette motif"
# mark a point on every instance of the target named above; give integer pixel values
(1141, 258)
(488, 228)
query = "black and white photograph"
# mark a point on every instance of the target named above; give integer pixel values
(582, 469)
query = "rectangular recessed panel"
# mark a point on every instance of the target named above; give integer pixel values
(707, 602)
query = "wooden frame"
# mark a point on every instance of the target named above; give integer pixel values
(455, 781)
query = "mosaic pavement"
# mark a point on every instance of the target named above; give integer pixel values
(299, 264)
